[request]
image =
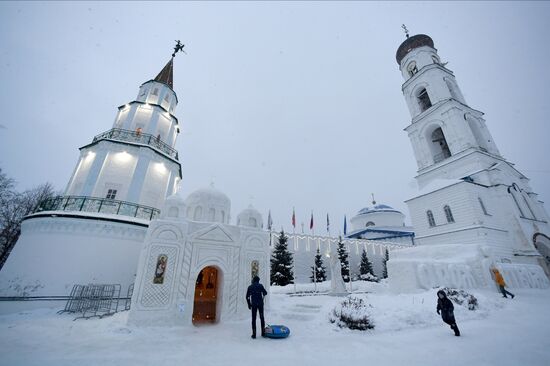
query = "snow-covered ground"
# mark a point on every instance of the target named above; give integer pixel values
(407, 331)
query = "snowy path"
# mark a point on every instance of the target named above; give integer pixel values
(504, 332)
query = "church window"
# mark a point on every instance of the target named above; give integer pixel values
(155, 91)
(212, 214)
(223, 217)
(198, 213)
(167, 97)
(370, 223)
(412, 69)
(512, 190)
(424, 100)
(448, 214)
(111, 194)
(442, 150)
(529, 207)
(431, 220)
(482, 206)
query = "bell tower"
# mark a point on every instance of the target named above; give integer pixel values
(443, 126)
(468, 193)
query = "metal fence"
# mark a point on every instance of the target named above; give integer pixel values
(93, 300)
(96, 204)
(138, 137)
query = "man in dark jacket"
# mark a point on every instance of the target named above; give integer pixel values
(446, 309)
(255, 299)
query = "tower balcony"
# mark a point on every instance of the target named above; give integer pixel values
(97, 205)
(155, 142)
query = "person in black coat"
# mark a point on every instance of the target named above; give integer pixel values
(255, 299)
(446, 309)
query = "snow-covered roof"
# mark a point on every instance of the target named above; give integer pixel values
(376, 208)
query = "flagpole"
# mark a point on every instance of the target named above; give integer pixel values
(294, 240)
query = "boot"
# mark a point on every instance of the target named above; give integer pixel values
(457, 332)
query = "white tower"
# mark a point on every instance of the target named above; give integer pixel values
(469, 194)
(135, 161)
(95, 231)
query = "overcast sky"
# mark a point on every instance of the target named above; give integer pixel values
(281, 104)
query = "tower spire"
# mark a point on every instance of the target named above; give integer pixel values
(166, 74)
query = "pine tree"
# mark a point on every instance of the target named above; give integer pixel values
(365, 268)
(321, 274)
(384, 265)
(343, 256)
(281, 263)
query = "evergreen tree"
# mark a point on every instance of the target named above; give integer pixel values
(343, 256)
(321, 274)
(365, 268)
(384, 266)
(281, 263)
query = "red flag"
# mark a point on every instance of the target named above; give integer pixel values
(293, 218)
(311, 222)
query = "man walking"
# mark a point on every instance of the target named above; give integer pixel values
(255, 299)
(501, 284)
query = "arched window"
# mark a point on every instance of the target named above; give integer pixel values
(423, 100)
(529, 206)
(448, 214)
(441, 149)
(223, 217)
(212, 214)
(198, 213)
(512, 190)
(431, 220)
(482, 206)
(412, 69)
(370, 223)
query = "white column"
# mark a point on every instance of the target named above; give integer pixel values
(171, 138)
(130, 117)
(140, 172)
(94, 172)
(152, 126)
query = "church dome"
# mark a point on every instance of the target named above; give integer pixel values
(411, 43)
(377, 216)
(208, 205)
(250, 217)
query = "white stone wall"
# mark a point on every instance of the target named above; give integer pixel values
(55, 253)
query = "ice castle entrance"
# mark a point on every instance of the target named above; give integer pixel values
(206, 296)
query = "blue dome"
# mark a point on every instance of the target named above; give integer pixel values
(376, 208)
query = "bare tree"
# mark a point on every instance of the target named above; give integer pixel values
(14, 206)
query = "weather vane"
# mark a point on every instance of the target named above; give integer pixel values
(373, 201)
(178, 47)
(405, 30)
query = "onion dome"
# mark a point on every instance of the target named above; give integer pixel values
(411, 43)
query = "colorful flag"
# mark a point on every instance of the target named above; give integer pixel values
(311, 222)
(269, 221)
(293, 218)
(345, 226)
(328, 224)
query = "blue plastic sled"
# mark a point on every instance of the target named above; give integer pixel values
(276, 331)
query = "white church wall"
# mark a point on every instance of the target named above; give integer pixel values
(382, 218)
(55, 253)
(117, 172)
